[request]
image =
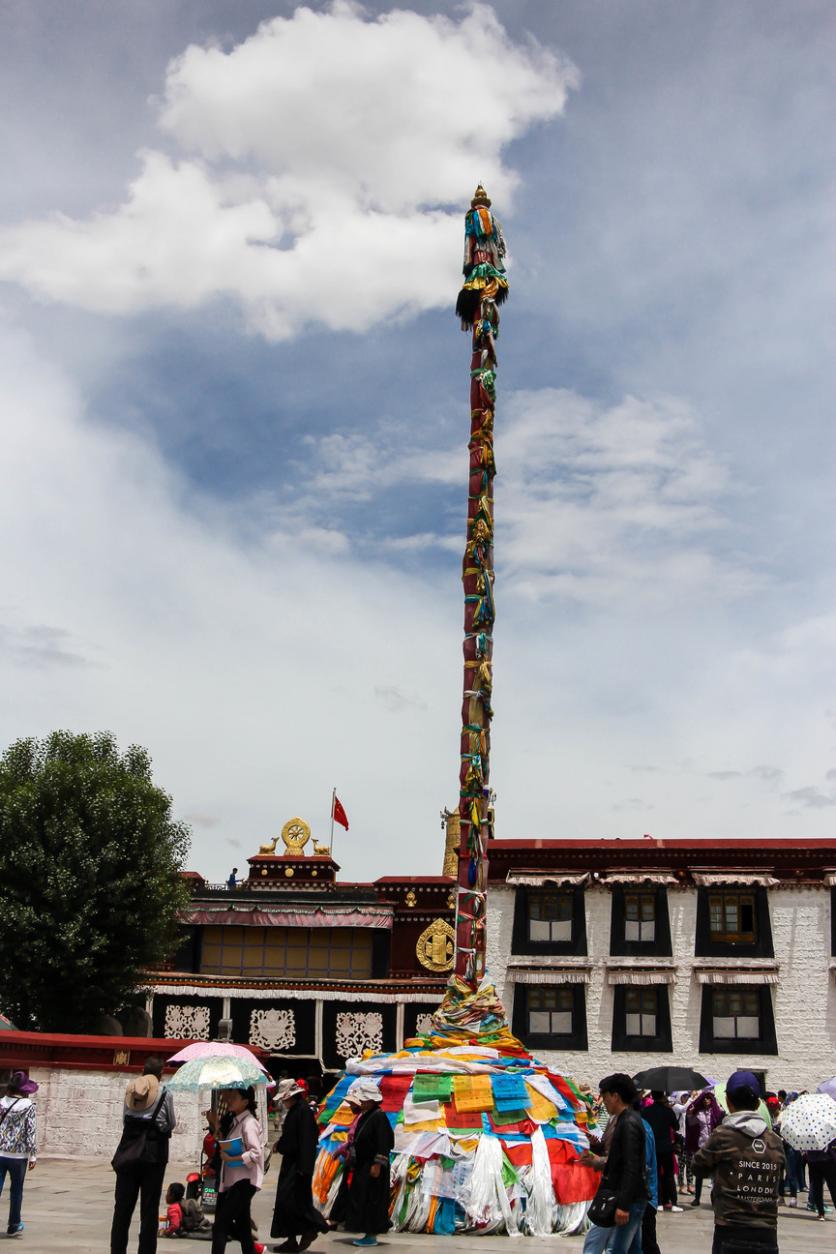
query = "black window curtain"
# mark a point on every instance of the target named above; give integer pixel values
(766, 1041)
(622, 1039)
(761, 947)
(660, 946)
(520, 942)
(576, 1039)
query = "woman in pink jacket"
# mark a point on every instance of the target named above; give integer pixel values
(241, 1173)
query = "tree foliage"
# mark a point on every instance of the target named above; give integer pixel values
(89, 884)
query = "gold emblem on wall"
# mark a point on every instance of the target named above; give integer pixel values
(295, 835)
(410, 899)
(436, 946)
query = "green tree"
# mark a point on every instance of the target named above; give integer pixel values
(89, 884)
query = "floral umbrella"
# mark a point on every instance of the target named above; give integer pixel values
(215, 1049)
(809, 1123)
(219, 1071)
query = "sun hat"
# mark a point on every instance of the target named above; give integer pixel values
(364, 1090)
(142, 1093)
(21, 1084)
(288, 1088)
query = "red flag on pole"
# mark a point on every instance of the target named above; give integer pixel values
(338, 814)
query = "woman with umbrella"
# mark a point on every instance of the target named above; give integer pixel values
(295, 1216)
(367, 1209)
(242, 1171)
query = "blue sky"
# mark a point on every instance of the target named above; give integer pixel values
(235, 403)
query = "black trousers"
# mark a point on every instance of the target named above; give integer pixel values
(667, 1179)
(745, 1241)
(649, 1243)
(821, 1174)
(144, 1181)
(232, 1218)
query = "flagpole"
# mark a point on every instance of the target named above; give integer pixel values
(331, 838)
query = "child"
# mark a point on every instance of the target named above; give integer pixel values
(174, 1211)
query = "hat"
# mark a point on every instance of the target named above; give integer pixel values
(21, 1084)
(741, 1081)
(364, 1090)
(142, 1093)
(288, 1088)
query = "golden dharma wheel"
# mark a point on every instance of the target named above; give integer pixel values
(295, 834)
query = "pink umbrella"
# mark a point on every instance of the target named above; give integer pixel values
(218, 1049)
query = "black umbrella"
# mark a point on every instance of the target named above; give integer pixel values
(670, 1079)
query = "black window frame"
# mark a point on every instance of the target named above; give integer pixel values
(576, 1039)
(761, 947)
(661, 945)
(765, 1043)
(520, 943)
(662, 1042)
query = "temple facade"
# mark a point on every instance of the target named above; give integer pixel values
(308, 967)
(616, 955)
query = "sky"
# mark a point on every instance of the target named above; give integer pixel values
(235, 409)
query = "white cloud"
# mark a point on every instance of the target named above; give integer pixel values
(261, 672)
(319, 156)
(596, 504)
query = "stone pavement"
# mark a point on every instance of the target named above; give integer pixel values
(67, 1208)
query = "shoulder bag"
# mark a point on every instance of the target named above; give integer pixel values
(137, 1133)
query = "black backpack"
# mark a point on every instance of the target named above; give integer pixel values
(141, 1141)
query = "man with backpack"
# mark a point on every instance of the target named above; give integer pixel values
(141, 1159)
(746, 1159)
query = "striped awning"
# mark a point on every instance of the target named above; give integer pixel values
(731, 878)
(641, 975)
(553, 975)
(738, 977)
(537, 879)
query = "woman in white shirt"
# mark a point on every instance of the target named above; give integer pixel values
(241, 1174)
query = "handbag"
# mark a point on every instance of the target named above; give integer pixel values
(602, 1208)
(130, 1151)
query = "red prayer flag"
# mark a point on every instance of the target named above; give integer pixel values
(339, 815)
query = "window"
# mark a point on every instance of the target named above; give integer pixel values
(550, 917)
(550, 1016)
(737, 1019)
(733, 922)
(550, 1011)
(292, 952)
(732, 917)
(736, 1014)
(641, 1018)
(640, 1011)
(639, 922)
(549, 921)
(639, 916)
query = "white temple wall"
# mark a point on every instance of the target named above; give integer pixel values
(804, 1000)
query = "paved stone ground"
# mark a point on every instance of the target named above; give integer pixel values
(67, 1208)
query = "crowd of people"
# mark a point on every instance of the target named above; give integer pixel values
(653, 1147)
(651, 1150)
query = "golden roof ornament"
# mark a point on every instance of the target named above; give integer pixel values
(480, 197)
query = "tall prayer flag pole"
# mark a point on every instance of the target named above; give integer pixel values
(485, 287)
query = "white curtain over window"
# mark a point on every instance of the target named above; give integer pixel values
(747, 878)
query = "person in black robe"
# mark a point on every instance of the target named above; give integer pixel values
(295, 1215)
(367, 1204)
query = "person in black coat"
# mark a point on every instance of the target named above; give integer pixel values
(623, 1169)
(295, 1215)
(367, 1203)
(665, 1127)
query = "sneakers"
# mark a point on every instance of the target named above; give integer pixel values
(793, 1201)
(365, 1241)
(675, 1210)
(15, 1232)
(696, 1202)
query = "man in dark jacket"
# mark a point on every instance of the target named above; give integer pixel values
(623, 1170)
(746, 1158)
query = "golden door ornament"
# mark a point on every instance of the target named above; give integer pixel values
(436, 946)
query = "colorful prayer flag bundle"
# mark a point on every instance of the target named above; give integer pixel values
(487, 1138)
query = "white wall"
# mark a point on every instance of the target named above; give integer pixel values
(80, 1114)
(804, 1000)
